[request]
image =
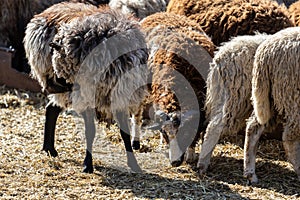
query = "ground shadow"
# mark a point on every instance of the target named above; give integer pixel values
(153, 186)
(272, 176)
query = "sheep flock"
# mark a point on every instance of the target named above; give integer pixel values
(198, 69)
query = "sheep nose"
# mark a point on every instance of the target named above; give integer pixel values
(176, 163)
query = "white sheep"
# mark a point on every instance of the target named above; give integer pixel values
(139, 8)
(88, 58)
(228, 94)
(276, 97)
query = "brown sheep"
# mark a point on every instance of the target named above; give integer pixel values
(223, 19)
(178, 63)
(294, 11)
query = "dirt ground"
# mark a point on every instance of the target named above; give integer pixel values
(28, 173)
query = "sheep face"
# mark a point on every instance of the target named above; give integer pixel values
(178, 131)
(169, 132)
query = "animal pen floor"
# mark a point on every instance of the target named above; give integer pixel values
(28, 173)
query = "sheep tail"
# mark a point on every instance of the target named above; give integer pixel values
(261, 91)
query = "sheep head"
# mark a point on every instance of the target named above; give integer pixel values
(178, 130)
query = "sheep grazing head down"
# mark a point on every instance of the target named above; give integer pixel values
(179, 131)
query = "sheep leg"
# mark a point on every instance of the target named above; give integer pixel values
(191, 156)
(90, 130)
(136, 131)
(253, 132)
(52, 113)
(58, 86)
(292, 148)
(214, 129)
(122, 118)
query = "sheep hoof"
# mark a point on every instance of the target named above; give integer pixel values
(136, 145)
(51, 152)
(88, 163)
(132, 163)
(191, 157)
(251, 178)
(202, 169)
(88, 169)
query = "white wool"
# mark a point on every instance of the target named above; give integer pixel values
(139, 8)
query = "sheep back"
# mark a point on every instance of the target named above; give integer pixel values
(105, 54)
(139, 8)
(40, 32)
(171, 53)
(242, 18)
(229, 80)
(190, 7)
(180, 24)
(276, 73)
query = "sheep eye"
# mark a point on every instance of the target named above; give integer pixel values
(165, 136)
(176, 122)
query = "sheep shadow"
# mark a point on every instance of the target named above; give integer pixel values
(154, 186)
(272, 176)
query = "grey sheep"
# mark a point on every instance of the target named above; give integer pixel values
(88, 58)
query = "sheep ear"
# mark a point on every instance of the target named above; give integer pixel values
(55, 46)
(154, 127)
(162, 115)
(160, 118)
(188, 115)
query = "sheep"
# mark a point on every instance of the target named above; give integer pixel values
(176, 61)
(14, 16)
(227, 103)
(223, 19)
(138, 8)
(74, 51)
(275, 97)
(179, 24)
(294, 11)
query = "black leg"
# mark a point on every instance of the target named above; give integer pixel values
(122, 119)
(90, 132)
(52, 113)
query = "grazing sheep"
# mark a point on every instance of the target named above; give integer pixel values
(294, 11)
(276, 97)
(176, 60)
(228, 94)
(179, 24)
(14, 16)
(139, 8)
(94, 51)
(223, 19)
